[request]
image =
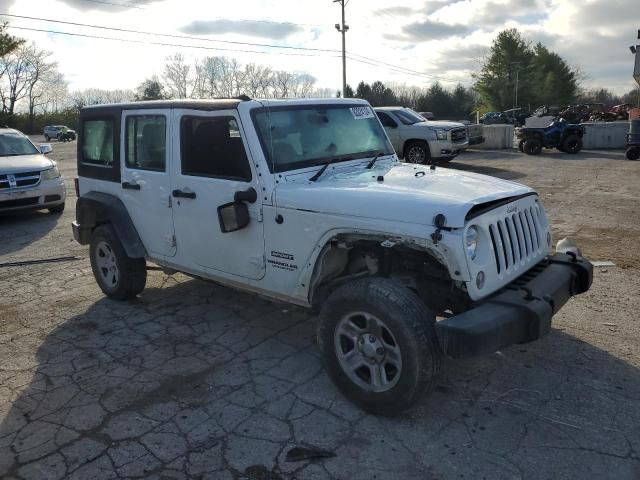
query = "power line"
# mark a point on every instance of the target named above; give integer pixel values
(163, 44)
(353, 56)
(168, 35)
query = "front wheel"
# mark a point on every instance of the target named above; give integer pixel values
(379, 344)
(119, 277)
(633, 153)
(572, 144)
(532, 146)
(417, 152)
(57, 209)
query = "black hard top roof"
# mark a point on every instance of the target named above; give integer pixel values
(209, 105)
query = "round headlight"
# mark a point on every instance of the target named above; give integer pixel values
(472, 242)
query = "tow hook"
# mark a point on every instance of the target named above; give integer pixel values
(439, 220)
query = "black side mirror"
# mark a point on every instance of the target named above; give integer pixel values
(233, 216)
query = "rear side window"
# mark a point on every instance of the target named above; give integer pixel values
(146, 142)
(212, 147)
(98, 142)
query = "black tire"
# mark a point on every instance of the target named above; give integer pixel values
(572, 144)
(57, 209)
(633, 153)
(408, 324)
(47, 138)
(417, 152)
(532, 146)
(521, 145)
(105, 252)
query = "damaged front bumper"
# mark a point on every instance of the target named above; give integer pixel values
(519, 313)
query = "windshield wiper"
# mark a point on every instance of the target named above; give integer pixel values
(374, 160)
(319, 173)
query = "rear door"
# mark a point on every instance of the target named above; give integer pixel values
(212, 165)
(145, 183)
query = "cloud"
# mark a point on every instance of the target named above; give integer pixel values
(276, 31)
(426, 30)
(109, 5)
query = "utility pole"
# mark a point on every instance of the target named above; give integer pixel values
(517, 71)
(343, 28)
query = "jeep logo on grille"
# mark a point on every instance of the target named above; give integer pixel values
(12, 181)
(512, 209)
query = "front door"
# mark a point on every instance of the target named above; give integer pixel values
(213, 163)
(391, 127)
(146, 184)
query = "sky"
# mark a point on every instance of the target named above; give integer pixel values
(412, 42)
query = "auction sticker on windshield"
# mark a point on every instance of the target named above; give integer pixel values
(360, 113)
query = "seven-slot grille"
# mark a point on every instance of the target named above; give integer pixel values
(459, 134)
(19, 180)
(517, 237)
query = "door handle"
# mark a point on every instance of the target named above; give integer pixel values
(181, 194)
(130, 186)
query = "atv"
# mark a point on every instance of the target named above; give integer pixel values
(560, 134)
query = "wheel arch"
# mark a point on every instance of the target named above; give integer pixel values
(347, 256)
(409, 141)
(96, 208)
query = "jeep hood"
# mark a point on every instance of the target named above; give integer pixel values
(408, 193)
(24, 163)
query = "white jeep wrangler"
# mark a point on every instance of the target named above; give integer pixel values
(305, 201)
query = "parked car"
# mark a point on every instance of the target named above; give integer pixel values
(560, 134)
(28, 180)
(59, 132)
(305, 201)
(422, 141)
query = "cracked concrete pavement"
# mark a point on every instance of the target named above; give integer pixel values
(194, 380)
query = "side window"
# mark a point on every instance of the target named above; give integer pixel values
(145, 147)
(212, 147)
(97, 142)
(386, 120)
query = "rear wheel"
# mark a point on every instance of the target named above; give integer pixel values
(118, 276)
(633, 153)
(572, 144)
(532, 146)
(521, 145)
(379, 344)
(47, 138)
(417, 152)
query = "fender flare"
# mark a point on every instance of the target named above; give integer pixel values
(96, 208)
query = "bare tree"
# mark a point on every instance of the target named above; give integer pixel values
(14, 85)
(95, 96)
(177, 77)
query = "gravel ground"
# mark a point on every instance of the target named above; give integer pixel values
(193, 380)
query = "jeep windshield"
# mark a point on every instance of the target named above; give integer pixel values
(12, 144)
(300, 136)
(408, 116)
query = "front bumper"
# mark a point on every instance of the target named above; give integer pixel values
(47, 194)
(519, 313)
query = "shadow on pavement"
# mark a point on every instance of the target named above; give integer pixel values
(194, 379)
(19, 230)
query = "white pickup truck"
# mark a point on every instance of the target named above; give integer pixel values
(305, 201)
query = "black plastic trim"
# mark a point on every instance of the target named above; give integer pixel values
(97, 208)
(519, 313)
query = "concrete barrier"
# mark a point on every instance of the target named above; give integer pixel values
(497, 137)
(605, 135)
